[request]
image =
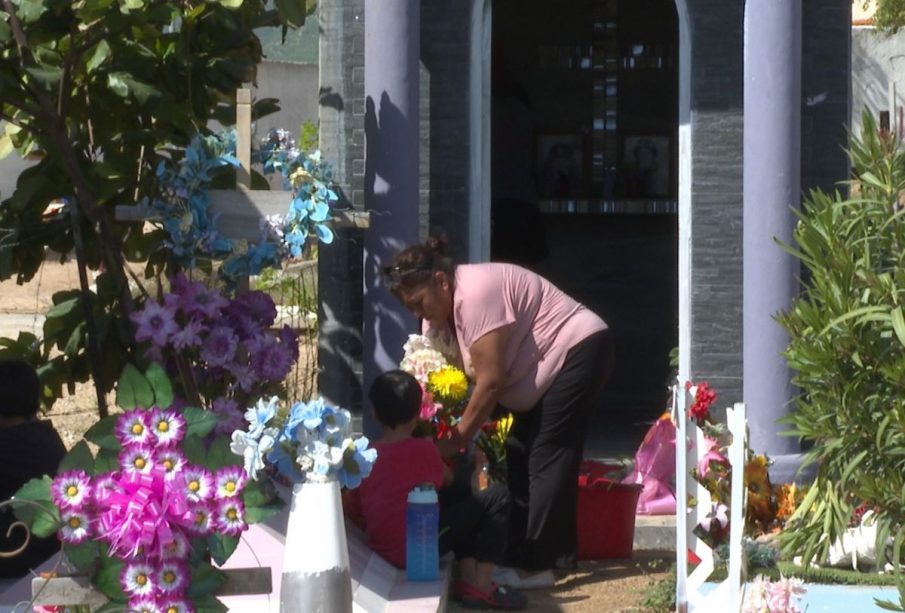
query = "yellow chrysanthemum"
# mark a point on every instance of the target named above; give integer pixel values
(448, 384)
(502, 427)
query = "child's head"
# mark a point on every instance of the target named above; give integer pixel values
(396, 397)
(20, 390)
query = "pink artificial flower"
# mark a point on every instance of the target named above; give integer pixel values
(167, 425)
(176, 605)
(155, 323)
(177, 549)
(76, 526)
(71, 489)
(429, 408)
(137, 459)
(173, 577)
(132, 428)
(719, 514)
(172, 460)
(229, 516)
(104, 486)
(230, 481)
(711, 454)
(144, 604)
(196, 484)
(202, 520)
(137, 579)
(220, 347)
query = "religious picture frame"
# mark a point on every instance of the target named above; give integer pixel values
(560, 165)
(647, 165)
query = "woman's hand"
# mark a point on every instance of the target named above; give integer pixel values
(448, 448)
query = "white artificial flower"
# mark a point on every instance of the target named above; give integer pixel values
(252, 450)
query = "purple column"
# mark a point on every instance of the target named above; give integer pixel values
(772, 187)
(392, 52)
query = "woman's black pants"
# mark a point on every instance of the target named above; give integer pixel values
(543, 454)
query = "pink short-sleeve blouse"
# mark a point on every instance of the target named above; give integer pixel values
(545, 322)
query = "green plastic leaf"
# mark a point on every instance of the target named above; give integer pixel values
(193, 448)
(131, 5)
(198, 421)
(83, 555)
(256, 515)
(219, 455)
(78, 458)
(209, 604)
(221, 547)
(106, 579)
(205, 581)
(106, 461)
(37, 510)
(101, 434)
(231, 4)
(113, 607)
(134, 390)
(98, 55)
(160, 384)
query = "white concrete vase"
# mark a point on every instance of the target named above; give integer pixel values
(316, 577)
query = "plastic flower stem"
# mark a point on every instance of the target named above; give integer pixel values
(189, 384)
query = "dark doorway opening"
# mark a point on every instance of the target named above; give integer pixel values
(584, 153)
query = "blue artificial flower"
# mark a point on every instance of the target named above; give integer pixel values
(284, 462)
(259, 415)
(357, 462)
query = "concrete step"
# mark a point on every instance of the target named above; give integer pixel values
(655, 532)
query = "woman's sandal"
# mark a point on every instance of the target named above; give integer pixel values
(498, 597)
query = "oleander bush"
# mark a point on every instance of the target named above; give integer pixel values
(847, 347)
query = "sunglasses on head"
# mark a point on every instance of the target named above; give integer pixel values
(395, 274)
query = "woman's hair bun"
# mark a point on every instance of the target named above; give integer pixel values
(437, 244)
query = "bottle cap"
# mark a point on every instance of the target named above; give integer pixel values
(423, 494)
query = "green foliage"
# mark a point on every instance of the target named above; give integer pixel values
(848, 350)
(890, 15)
(97, 92)
(308, 136)
(37, 509)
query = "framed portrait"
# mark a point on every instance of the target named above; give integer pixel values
(560, 165)
(647, 165)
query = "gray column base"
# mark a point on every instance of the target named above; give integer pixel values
(328, 591)
(787, 469)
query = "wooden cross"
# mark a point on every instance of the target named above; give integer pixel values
(240, 211)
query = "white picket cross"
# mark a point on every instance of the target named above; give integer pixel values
(728, 595)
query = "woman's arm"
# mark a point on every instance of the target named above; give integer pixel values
(487, 362)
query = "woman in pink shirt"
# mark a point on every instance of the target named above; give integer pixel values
(535, 351)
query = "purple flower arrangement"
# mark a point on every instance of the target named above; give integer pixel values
(148, 511)
(222, 351)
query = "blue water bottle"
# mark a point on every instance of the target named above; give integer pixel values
(422, 541)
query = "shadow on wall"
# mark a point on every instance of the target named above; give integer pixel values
(387, 168)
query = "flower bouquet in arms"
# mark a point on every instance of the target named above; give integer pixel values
(309, 444)
(430, 359)
(163, 497)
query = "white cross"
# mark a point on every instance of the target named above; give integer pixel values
(239, 211)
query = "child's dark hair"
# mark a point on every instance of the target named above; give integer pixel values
(396, 397)
(20, 389)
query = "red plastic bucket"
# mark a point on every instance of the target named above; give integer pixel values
(606, 514)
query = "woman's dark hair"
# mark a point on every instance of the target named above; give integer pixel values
(415, 266)
(396, 396)
(20, 389)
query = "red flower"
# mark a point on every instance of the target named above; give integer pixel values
(703, 398)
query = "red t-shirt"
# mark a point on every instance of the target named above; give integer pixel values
(381, 498)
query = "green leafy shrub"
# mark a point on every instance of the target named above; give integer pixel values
(847, 347)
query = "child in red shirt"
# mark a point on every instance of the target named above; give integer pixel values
(472, 526)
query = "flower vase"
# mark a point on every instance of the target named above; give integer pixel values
(316, 577)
